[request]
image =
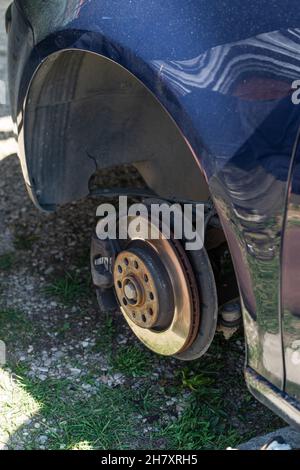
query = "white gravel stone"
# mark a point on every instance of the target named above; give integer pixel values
(75, 371)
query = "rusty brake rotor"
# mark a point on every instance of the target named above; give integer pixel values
(157, 292)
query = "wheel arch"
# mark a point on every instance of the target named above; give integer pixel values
(84, 112)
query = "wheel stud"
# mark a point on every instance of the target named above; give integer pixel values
(130, 291)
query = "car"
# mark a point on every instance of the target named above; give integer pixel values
(186, 103)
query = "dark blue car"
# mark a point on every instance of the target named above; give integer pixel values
(200, 101)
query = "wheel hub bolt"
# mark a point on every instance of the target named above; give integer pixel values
(130, 291)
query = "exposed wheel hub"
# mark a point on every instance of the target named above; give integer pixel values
(157, 285)
(131, 291)
(143, 287)
(157, 293)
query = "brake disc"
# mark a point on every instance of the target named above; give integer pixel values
(166, 295)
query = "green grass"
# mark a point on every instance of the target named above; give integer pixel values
(107, 420)
(16, 403)
(110, 418)
(105, 336)
(204, 423)
(6, 261)
(114, 418)
(14, 323)
(132, 361)
(210, 392)
(69, 288)
(195, 382)
(202, 426)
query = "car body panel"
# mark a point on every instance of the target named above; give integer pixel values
(291, 279)
(224, 72)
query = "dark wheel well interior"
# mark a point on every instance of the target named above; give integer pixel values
(85, 113)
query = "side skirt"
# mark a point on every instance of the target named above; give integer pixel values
(281, 403)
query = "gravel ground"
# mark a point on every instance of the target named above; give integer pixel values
(74, 379)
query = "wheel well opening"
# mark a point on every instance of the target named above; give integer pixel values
(85, 113)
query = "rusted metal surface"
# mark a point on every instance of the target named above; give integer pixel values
(157, 293)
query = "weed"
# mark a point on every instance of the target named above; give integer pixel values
(201, 427)
(69, 288)
(132, 361)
